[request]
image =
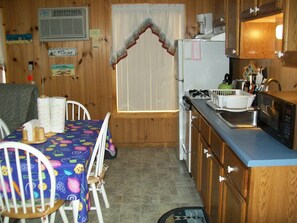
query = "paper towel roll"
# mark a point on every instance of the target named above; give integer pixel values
(44, 116)
(57, 110)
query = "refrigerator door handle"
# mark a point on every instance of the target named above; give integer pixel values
(182, 80)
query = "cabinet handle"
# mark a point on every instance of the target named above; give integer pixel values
(232, 169)
(233, 51)
(221, 179)
(222, 19)
(194, 117)
(208, 155)
(279, 54)
(205, 151)
(254, 10)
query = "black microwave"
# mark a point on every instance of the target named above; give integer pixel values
(277, 116)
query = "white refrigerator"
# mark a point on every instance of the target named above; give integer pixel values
(199, 64)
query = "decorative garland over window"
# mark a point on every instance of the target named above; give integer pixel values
(132, 39)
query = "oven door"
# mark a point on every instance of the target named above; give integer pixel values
(186, 144)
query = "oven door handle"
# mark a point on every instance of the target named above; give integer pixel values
(183, 104)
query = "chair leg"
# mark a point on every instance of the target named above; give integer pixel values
(63, 214)
(45, 219)
(6, 220)
(97, 204)
(75, 207)
(53, 217)
(104, 195)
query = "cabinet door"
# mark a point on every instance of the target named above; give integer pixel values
(218, 13)
(215, 191)
(289, 34)
(195, 156)
(269, 6)
(247, 8)
(253, 8)
(205, 173)
(232, 28)
(233, 205)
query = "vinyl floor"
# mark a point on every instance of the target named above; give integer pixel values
(142, 184)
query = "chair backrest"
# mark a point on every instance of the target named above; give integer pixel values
(4, 131)
(76, 111)
(99, 149)
(26, 178)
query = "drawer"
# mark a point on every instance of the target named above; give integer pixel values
(217, 145)
(205, 130)
(236, 171)
(196, 118)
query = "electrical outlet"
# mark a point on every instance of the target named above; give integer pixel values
(31, 66)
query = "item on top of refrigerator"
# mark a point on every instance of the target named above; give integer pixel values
(231, 98)
(227, 82)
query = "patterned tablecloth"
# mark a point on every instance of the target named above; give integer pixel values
(69, 153)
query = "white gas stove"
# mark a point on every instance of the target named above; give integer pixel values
(197, 94)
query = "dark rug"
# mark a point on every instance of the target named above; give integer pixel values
(185, 215)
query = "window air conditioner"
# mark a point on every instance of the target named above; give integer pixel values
(63, 24)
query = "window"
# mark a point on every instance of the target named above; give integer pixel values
(143, 48)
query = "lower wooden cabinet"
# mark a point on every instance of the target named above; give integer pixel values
(215, 204)
(195, 157)
(205, 172)
(234, 193)
(233, 204)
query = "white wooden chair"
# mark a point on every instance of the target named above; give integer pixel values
(97, 169)
(4, 131)
(76, 111)
(17, 180)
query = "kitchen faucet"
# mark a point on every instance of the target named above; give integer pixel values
(270, 80)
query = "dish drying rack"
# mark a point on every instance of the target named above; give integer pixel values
(231, 98)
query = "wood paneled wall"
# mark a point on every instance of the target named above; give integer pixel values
(94, 80)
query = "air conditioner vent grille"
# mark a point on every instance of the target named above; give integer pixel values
(66, 12)
(62, 24)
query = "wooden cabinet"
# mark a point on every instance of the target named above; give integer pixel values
(234, 193)
(246, 36)
(218, 13)
(215, 172)
(289, 50)
(232, 28)
(195, 162)
(233, 205)
(259, 8)
(205, 168)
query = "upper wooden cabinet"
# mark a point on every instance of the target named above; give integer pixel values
(219, 13)
(289, 48)
(249, 39)
(254, 8)
(232, 27)
(257, 39)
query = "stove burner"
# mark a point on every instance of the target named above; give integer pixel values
(200, 93)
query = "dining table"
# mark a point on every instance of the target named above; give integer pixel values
(69, 153)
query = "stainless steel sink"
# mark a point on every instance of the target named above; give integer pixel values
(246, 119)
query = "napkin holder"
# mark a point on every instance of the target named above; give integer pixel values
(33, 133)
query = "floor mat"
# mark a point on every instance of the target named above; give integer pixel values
(185, 215)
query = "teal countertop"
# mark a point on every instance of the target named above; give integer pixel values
(253, 146)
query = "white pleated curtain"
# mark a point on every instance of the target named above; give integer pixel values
(145, 68)
(2, 49)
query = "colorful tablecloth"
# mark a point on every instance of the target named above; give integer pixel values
(69, 153)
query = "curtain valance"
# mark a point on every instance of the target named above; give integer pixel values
(130, 21)
(131, 40)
